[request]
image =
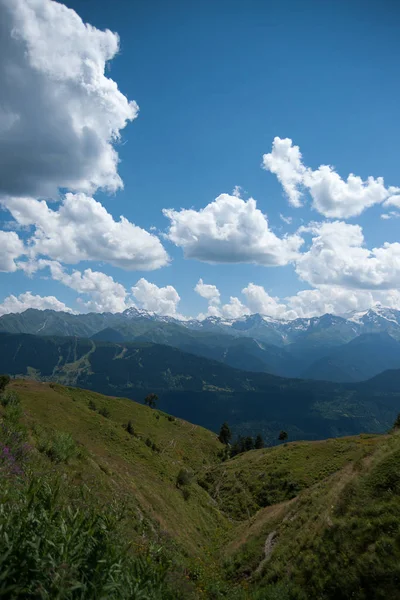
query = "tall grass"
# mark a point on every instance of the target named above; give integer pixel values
(57, 543)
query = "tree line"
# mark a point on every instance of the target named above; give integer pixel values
(244, 443)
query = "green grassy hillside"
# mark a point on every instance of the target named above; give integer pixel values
(259, 478)
(303, 520)
(338, 539)
(123, 464)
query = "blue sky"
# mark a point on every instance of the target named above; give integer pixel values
(216, 82)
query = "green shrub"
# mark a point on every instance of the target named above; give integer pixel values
(184, 477)
(9, 398)
(186, 493)
(4, 381)
(58, 446)
(92, 405)
(104, 412)
(129, 428)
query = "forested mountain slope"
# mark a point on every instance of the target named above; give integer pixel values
(200, 390)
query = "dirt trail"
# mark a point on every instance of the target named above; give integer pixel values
(268, 548)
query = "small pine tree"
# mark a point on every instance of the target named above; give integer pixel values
(225, 434)
(241, 444)
(92, 405)
(248, 443)
(151, 400)
(104, 412)
(259, 443)
(129, 428)
(396, 424)
(283, 436)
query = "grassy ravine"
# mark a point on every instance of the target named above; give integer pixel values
(329, 511)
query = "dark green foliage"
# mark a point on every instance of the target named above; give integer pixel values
(283, 436)
(92, 405)
(242, 444)
(9, 398)
(151, 400)
(57, 445)
(186, 493)
(4, 381)
(396, 424)
(259, 443)
(248, 444)
(225, 434)
(129, 428)
(183, 478)
(104, 412)
(49, 549)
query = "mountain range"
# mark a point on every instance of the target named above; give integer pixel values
(350, 348)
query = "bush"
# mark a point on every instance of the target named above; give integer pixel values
(129, 428)
(58, 446)
(104, 412)
(4, 381)
(184, 477)
(9, 398)
(186, 494)
(92, 405)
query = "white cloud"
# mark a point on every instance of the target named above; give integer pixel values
(11, 247)
(161, 300)
(393, 214)
(340, 300)
(209, 292)
(332, 196)
(234, 309)
(106, 295)
(82, 229)
(287, 220)
(285, 162)
(259, 301)
(337, 256)
(17, 304)
(392, 201)
(230, 230)
(59, 113)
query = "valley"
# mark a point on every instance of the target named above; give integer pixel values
(243, 528)
(203, 391)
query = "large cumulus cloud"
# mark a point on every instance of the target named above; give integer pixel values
(59, 113)
(230, 230)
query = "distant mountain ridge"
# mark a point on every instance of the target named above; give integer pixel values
(296, 348)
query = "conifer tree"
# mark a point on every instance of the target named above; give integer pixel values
(225, 434)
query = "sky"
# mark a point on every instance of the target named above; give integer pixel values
(213, 158)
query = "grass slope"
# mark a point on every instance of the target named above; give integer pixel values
(259, 478)
(304, 520)
(338, 539)
(121, 465)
